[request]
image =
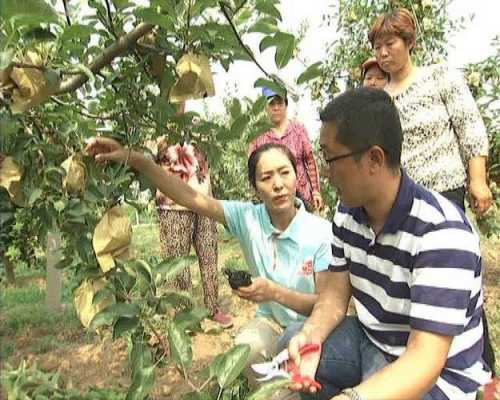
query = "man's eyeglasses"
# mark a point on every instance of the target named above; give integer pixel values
(329, 161)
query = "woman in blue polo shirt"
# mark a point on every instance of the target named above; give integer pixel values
(283, 244)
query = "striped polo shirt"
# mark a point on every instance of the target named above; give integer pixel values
(422, 271)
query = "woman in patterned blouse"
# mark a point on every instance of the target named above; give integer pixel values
(294, 135)
(445, 142)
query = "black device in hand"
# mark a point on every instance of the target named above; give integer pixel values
(238, 278)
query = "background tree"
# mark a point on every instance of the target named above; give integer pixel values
(341, 67)
(70, 71)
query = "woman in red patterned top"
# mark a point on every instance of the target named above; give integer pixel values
(294, 135)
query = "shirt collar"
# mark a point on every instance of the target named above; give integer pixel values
(400, 209)
(292, 231)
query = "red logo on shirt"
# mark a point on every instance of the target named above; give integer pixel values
(307, 268)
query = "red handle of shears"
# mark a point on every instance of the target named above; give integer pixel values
(296, 377)
(309, 348)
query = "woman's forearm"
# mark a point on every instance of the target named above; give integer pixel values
(301, 303)
(176, 189)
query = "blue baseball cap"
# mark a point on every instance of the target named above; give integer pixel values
(268, 92)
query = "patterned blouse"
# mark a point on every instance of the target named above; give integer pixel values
(442, 128)
(188, 163)
(297, 140)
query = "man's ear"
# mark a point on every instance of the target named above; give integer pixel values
(377, 157)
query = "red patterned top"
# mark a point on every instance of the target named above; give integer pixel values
(188, 163)
(297, 140)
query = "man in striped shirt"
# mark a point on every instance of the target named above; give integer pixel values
(410, 260)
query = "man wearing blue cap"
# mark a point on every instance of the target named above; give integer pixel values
(294, 135)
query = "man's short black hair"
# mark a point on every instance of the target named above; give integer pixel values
(366, 117)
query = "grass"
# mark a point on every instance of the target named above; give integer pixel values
(24, 315)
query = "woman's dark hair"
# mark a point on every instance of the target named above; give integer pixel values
(254, 158)
(366, 117)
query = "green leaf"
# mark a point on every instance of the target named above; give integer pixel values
(27, 12)
(52, 77)
(266, 25)
(235, 109)
(259, 105)
(121, 4)
(190, 319)
(151, 16)
(170, 268)
(176, 300)
(123, 325)
(313, 71)
(78, 209)
(77, 31)
(267, 42)
(139, 268)
(267, 390)
(63, 263)
(103, 317)
(261, 82)
(142, 383)
(102, 294)
(6, 57)
(232, 364)
(34, 196)
(239, 126)
(181, 346)
(267, 7)
(285, 47)
(197, 396)
(112, 312)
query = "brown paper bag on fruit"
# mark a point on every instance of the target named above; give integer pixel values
(5, 81)
(195, 79)
(76, 174)
(10, 178)
(84, 296)
(32, 88)
(112, 237)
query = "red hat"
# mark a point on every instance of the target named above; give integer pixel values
(368, 64)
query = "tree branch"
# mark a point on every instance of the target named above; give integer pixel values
(26, 65)
(243, 4)
(245, 47)
(188, 27)
(108, 55)
(84, 113)
(68, 20)
(111, 27)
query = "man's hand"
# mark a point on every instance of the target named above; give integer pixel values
(106, 149)
(480, 196)
(259, 291)
(318, 201)
(308, 364)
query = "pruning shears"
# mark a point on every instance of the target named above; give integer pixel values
(282, 366)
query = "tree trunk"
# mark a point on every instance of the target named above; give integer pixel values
(9, 270)
(54, 281)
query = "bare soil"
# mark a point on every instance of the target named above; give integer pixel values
(104, 362)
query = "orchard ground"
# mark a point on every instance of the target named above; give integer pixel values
(57, 342)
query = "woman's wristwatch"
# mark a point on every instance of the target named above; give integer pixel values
(351, 394)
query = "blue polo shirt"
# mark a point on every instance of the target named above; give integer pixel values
(422, 271)
(288, 258)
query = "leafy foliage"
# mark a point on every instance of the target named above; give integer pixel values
(31, 383)
(341, 67)
(111, 70)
